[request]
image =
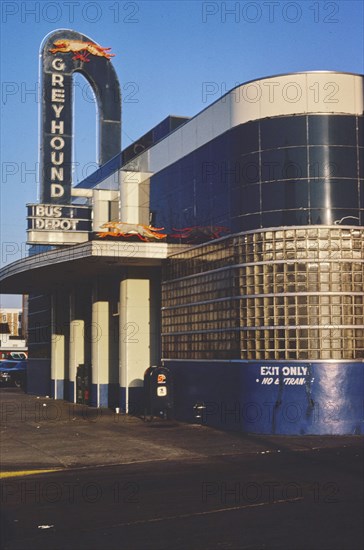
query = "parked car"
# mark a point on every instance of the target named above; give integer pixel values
(13, 373)
(17, 355)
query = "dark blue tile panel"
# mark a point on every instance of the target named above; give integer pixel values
(39, 377)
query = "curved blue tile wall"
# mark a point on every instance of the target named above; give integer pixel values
(293, 398)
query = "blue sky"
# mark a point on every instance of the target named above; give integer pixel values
(168, 54)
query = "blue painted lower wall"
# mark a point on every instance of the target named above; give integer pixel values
(252, 397)
(272, 397)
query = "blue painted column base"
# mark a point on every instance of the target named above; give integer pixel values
(109, 396)
(58, 389)
(103, 395)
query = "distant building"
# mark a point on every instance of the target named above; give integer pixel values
(12, 336)
(11, 321)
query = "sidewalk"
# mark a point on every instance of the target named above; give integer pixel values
(39, 433)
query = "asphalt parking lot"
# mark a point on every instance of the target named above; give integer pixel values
(76, 477)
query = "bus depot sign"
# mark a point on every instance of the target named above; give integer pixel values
(63, 53)
(48, 223)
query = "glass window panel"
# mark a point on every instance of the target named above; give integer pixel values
(245, 223)
(283, 132)
(245, 200)
(333, 162)
(282, 164)
(288, 217)
(331, 130)
(282, 195)
(328, 216)
(361, 162)
(244, 139)
(245, 170)
(361, 130)
(334, 193)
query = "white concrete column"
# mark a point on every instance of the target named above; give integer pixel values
(59, 331)
(77, 343)
(100, 352)
(102, 207)
(134, 341)
(134, 197)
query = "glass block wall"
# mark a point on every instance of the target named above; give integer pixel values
(291, 293)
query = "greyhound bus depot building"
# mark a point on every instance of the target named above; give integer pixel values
(255, 298)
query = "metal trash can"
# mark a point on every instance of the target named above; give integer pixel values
(158, 392)
(83, 384)
(199, 412)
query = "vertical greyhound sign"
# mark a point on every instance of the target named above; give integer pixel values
(63, 53)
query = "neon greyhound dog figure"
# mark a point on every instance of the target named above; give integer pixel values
(196, 233)
(77, 46)
(149, 233)
(143, 232)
